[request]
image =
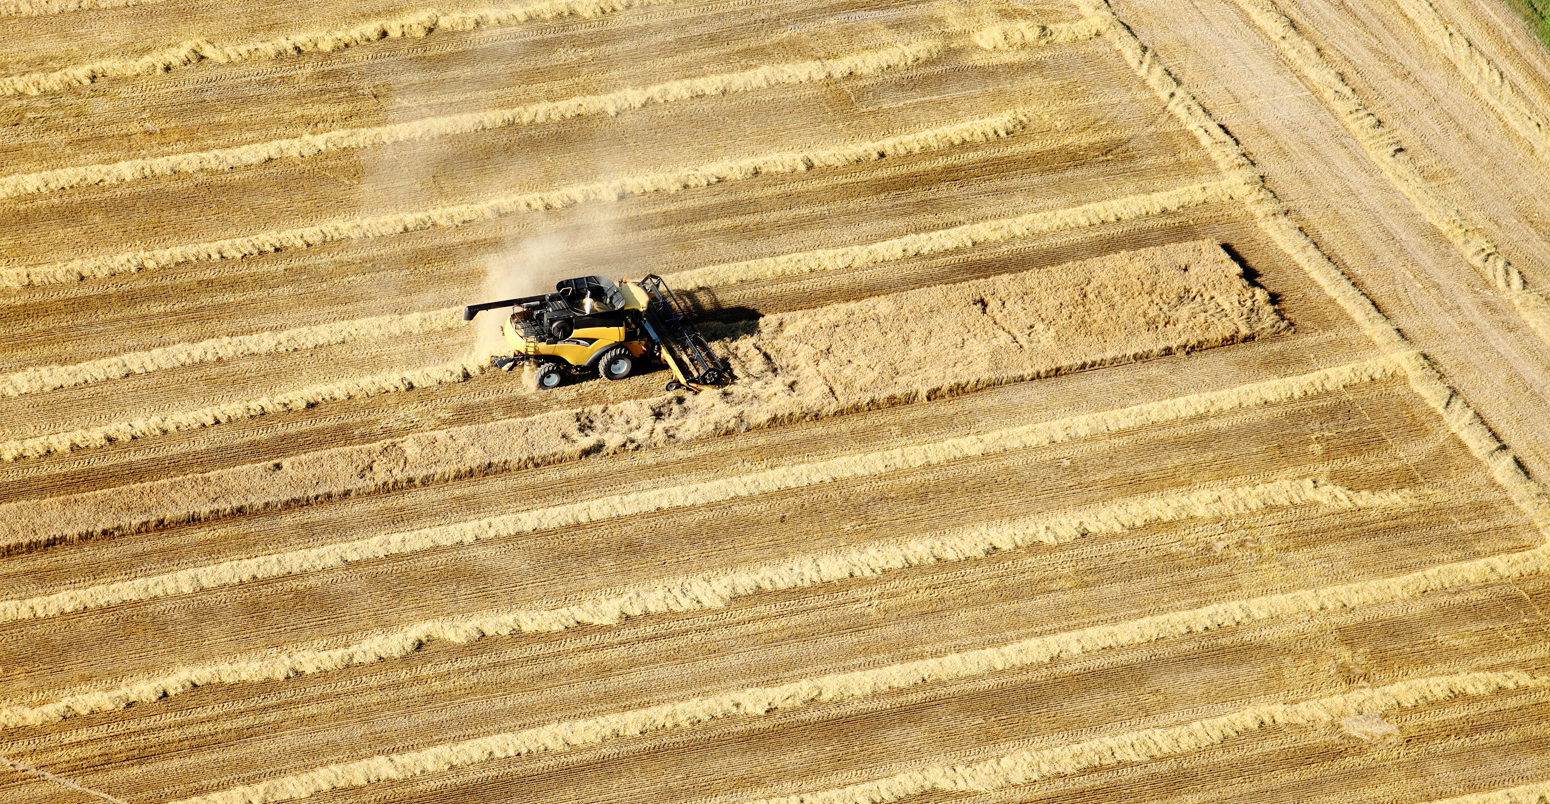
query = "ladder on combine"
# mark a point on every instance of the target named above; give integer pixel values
(684, 349)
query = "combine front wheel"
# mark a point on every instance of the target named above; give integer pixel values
(550, 376)
(616, 363)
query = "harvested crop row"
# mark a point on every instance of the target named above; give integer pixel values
(978, 130)
(1275, 220)
(1383, 147)
(751, 702)
(927, 454)
(412, 24)
(300, 399)
(42, 8)
(967, 236)
(1481, 73)
(869, 62)
(1027, 34)
(1032, 765)
(797, 366)
(50, 378)
(35, 380)
(716, 589)
(1026, 653)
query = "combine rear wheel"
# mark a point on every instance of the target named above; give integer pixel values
(615, 363)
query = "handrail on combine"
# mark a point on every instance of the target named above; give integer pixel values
(684, 349)
(474, 309)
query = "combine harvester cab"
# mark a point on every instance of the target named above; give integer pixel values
(594, 324)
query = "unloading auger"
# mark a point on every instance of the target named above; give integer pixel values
(594, 324)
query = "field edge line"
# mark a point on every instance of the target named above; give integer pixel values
(1477, 68)
(1274, 217)
(1382, 145)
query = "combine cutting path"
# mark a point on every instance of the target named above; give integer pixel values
(1111, 423)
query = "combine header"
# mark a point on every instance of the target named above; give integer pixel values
(594, 324)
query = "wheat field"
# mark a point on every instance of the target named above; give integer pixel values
(1135, 401)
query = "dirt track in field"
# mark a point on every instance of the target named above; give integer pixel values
(1136, 400)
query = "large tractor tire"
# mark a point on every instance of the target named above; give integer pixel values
(615, 363)
(549, 375)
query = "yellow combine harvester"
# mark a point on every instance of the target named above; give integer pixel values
(594, 324)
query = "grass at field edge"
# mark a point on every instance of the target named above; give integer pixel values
(1537, 13)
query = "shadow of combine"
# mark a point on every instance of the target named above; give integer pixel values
(718, 322)
(1250, 275)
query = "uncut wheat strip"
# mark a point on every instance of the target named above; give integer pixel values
(46, 378)
(966, 236)
(409, 24)
(1383, 147)
(49, 378)
(977, 130)
(1186, 296)
(790, 375)
(751, 702)
(863, 63)
(1275, 219)
(1532, 793)
(299, 399)
(717, 588)
(1481, 73)
(1031, 765)
(701, 493)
